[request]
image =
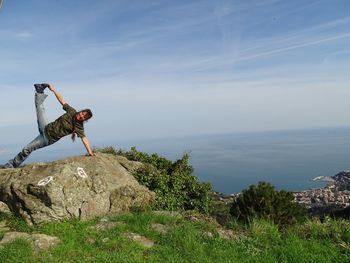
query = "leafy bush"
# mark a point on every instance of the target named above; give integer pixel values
(175, 185)
(263, 201)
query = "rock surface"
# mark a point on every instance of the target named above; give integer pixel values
(163, 229)
(4, 208)
(38, 241)
(76, 187)
(144, 241)
(3, 226)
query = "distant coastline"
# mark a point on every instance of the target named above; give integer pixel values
(231, 162)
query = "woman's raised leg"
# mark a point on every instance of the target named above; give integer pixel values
(40, 111)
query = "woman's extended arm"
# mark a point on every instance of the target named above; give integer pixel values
(58, 96)
(87, 145)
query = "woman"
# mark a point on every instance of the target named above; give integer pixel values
(72, 122)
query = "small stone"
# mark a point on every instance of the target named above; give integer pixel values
(141, 239)
(12, 236)
(225, 233)
(106, 239)
(90, 241)
(160, 228)
(4, 227)
(44, 242)
(4, 208)
(208, 234)
(193, 219)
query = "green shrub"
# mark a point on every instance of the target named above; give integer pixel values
(263, 201)
(175, 185)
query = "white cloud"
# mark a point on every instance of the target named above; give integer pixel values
(3, 152)
(24, 35)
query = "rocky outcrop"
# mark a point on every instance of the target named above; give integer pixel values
(342, 180)
(77, 187)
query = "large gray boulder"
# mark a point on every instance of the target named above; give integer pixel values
(77, 187)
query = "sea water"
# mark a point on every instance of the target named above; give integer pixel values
(232, 162)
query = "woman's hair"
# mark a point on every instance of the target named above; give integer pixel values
(88, 116)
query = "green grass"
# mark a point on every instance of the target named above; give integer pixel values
(186, 241)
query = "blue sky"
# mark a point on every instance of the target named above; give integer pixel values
(160, 68)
